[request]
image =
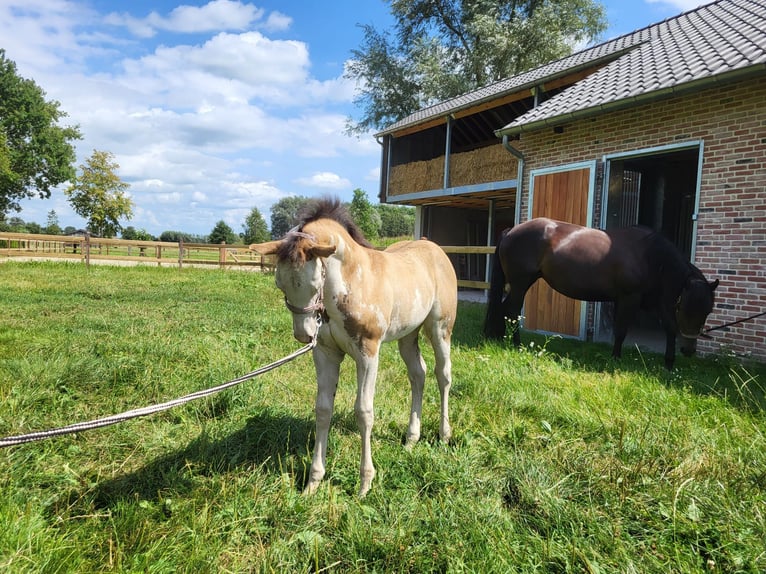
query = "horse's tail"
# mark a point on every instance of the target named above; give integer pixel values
(494, 322)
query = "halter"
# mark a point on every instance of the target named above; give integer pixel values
(316, 305)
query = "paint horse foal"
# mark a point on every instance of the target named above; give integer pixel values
(364, 297)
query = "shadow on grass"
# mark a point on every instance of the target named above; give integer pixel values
(740, 382)
(266, 441)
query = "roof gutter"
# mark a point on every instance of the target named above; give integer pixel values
(632, 101)
(519, 176)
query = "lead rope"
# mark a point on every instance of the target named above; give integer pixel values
(144, 411)
(730, 323)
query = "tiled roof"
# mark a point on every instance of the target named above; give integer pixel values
(717, 39)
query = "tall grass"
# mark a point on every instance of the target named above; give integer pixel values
(562, 459)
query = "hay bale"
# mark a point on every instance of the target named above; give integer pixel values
(483, 165)
(416, 176)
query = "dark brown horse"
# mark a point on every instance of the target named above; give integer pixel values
(633, 267)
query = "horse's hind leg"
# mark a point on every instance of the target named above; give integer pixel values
(512, 309)
(624, 313)
(439, 334)
(416, 371)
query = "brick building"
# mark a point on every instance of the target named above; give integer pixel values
(664, 127)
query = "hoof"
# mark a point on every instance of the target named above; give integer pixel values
(365, 484)
(311, 488)
(411, 441)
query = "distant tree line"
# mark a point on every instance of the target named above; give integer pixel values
(376, 221)
(380, 220)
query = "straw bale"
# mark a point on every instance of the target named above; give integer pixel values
(483, 165)
(491, 163)
(416, 176)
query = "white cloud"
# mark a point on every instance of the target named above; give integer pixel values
(214, 16)
(373, 174)
(682, 5)
(325, 180)
(200, 129)
(277, 22)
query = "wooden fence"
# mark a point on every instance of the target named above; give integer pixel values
(86, 249)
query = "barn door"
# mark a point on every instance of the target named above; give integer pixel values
(563, 195)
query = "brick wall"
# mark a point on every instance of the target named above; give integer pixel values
(731, 232)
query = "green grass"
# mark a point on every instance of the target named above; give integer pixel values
(562, 459)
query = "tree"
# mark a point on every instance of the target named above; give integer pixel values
(222, 233)
(364, 215)
(99, 195)
(285, 214)
(255, 228)
(134, 234)
(440, 49)
(396, 220)
(52, 226)
(176, 236)
(35, 152)
(14, 225)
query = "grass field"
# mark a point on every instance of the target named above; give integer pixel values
(562, 459)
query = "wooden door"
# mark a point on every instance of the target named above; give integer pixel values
(564, 196)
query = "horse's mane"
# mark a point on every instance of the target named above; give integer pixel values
(674, 269)
(314, 210)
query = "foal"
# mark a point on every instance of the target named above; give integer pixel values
(352, 298)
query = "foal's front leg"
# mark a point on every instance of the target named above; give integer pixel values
(327, 364)
(366, 373)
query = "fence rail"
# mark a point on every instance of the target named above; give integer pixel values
(87, 249)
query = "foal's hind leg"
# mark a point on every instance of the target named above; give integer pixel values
(439, 334)
(416, 371)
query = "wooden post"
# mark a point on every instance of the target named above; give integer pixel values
(222, 255)
(86, 249)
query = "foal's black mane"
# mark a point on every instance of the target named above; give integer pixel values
(325, 208)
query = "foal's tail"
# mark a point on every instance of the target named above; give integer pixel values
(494, 322)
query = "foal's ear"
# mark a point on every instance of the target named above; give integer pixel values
(713, 285)
(322, 250)
(268, 248)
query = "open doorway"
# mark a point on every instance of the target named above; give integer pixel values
(657, 189)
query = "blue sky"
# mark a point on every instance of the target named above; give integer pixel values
(214, 107)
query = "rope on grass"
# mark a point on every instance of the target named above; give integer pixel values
(150, 410)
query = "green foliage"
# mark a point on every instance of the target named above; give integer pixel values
(13, 224)
(255, 228)
(134, 234)
(396, 220)
(99, 195)
(562, 459)
(364, 215)
(176, 236)
(285, 214)
(52, 226)
(442, 49)
(222, 233)
(35, 152)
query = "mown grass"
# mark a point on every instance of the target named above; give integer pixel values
(562, 460)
